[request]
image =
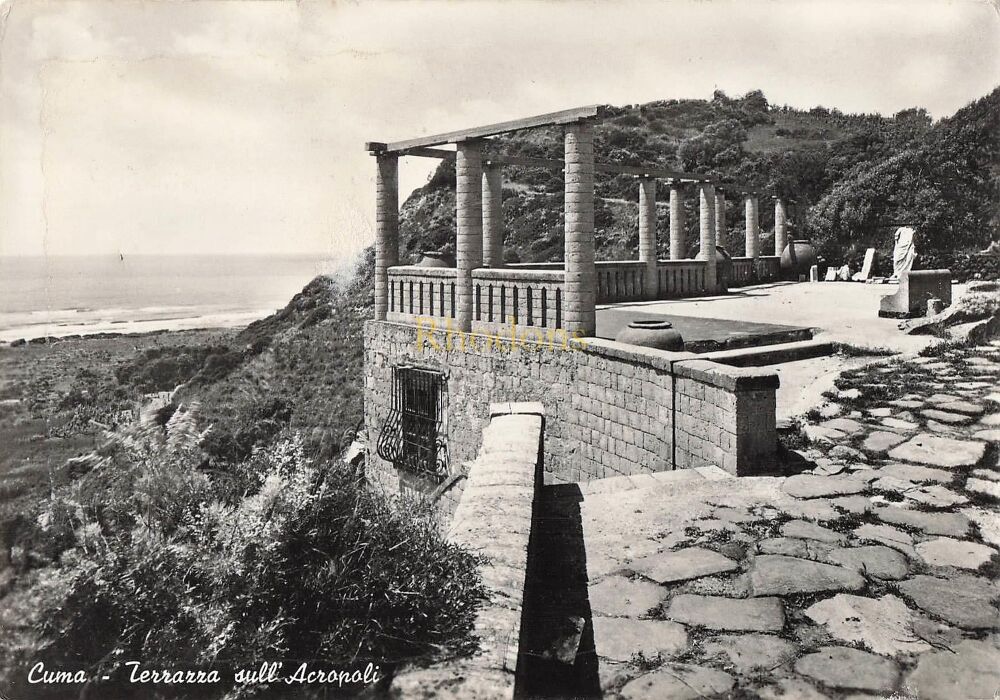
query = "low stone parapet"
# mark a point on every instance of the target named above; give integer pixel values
(493, 519)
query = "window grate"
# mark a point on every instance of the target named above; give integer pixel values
(413, 437)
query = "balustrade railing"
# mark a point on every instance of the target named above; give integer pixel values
(502, 296)
(620, 280)
(421, 292)
(680, 278)
(743, 272)
(768, 268)
(531, 295)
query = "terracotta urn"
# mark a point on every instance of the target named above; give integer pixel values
(797, 258)
(659, 335)
(723, 264)
(436, 258)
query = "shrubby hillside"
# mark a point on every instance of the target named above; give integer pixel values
(856, 175)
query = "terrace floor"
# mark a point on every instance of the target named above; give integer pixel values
(702, 334)
(845, 312)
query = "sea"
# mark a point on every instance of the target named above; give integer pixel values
(80, 295)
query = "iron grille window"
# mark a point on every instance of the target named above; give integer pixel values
(413, 437)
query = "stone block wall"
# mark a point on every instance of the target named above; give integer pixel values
(725, 416)
(611, 408)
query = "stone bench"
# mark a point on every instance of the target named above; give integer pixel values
(915, 288)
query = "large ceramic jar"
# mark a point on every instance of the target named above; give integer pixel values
(723, 264)
(436, 258)
(797, 258)
(660, 335)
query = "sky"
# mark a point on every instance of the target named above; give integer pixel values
(173, 127)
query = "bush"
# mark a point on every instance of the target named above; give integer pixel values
(287, 560)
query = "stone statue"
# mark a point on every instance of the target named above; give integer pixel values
(904, 252)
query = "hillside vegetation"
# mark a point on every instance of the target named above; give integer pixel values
(857, 176)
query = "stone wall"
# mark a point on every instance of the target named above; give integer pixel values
(611, 408)
(493, 520)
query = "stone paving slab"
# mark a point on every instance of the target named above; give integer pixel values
(843, 667)
(876, 561)
(683, 564)
(937, 451)
(729, 614)
(751, 652)
(951, 524)
(619, 639)
(971, 669)
(776, 574)
(679, 682)
(883, 625)
(965, 601)
(623, 597)
(948, 551)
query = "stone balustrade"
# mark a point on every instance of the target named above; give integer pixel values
(532, 298)
(742, 272)
(421, 292)
(621, 280)
(681, 278)
(768, 268)
(533, 294)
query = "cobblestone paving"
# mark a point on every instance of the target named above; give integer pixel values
(872, 573)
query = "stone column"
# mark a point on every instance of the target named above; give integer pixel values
(753, 227)
(492, 217)
(647, 234)
(720, 216)
(780, 227)
(677, 237)
(386, 228)
(706, 208)
(580, 289)
(469, 219)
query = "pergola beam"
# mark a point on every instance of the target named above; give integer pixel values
(556, 164)
(567, 116)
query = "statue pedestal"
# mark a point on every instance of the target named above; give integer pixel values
(916, 288)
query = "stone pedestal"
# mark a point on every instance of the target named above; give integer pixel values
(386, 228)
(469, 220)
(752, 227)
(581, 274)
(678, 244)
(706, 210)
(647, 235)
(917, 290)
(492, 216)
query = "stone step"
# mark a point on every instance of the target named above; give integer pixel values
(771, 354)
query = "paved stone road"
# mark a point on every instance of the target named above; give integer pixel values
(873, 573)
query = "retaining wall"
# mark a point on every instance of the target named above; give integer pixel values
(611, 408)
